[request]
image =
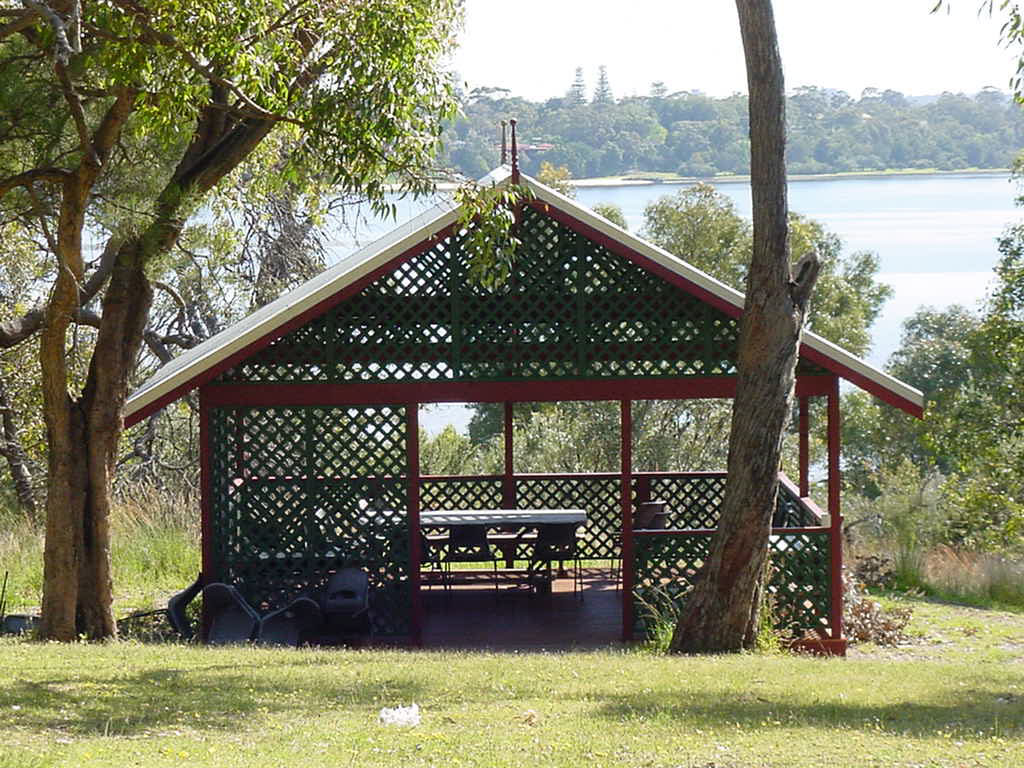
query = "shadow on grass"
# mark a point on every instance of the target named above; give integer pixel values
(209, 697)
(975, 715)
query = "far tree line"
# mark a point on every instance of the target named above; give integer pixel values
(692, 134)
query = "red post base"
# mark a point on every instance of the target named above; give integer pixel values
(828, 646)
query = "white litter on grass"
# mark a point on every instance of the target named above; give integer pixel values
(400, 715)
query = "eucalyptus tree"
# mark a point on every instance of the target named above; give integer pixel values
(722, 611)
(170, 98)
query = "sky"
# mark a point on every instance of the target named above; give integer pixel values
(534, 46)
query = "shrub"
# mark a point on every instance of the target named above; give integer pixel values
(866, 621)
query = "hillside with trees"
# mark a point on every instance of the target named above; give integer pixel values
(689, 133)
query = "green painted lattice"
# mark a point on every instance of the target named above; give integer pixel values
(299, 492)
(667, 565)
(572, 309)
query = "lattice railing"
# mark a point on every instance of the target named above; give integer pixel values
(299, 492)
(694, 500)
(668, 563)
(599, 495)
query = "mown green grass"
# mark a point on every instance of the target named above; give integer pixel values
(955, 697)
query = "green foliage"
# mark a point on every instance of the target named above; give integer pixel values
(451, 453)
(559, 179)
(660, 611)
(489, 217)
(969, 368)
(612, 212)
(694, 135)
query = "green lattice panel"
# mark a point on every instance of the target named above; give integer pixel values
(800, 581)
(460, 493)
(299, 492)
(571, 309)
(668, 564)
(600, 497)
(694, 501)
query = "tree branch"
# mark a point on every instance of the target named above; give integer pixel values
(63, 48)
(801, 286)
(51, 175)
(21, 20)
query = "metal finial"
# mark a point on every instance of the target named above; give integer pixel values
(504, 143)
(515, 153)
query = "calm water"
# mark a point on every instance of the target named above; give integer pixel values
(934, 236)
(913, 223)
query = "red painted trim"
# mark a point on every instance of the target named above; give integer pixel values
(806, 501)
(862, 381)
(412, 438)
(637, 258)
(363, 393)
(208, 374)
(574, 475)
(804, 447)
(205, 502)
(508, 488)
(712, 531)
(820, 646)
(626, 453)
(835, 513)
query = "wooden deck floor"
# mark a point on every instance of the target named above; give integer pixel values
(474, 616)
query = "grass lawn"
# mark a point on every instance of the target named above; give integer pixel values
(954, 697)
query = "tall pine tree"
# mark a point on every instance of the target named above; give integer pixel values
(603, 91)
(577, 95)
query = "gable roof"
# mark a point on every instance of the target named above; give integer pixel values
(201, 363)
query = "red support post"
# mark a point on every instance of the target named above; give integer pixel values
(835, 513)
(206, 499)
(626, 430)
(508, 485)
(412, 420)
(805, 452)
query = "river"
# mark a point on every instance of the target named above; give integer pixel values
(935, 235)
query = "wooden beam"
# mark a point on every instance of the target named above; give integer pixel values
(508, 485)
(412, 438)
(626, 451)
(804, 448)
(205, 502)
(215, 370)
(835, 513)
(561, 390)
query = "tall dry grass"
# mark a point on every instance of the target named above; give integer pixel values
(978, 577)
(154, 550)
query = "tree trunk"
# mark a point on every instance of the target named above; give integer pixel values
(83, 433)
(722, 612)
(78, 589)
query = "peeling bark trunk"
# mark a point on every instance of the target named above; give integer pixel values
(83, 433)
(723, 609)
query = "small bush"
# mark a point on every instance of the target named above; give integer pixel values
(873, 571)
(659, 610)
(866, 621)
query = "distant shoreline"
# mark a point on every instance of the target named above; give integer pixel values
(669, 179)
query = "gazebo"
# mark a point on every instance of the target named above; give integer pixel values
(309, 413)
